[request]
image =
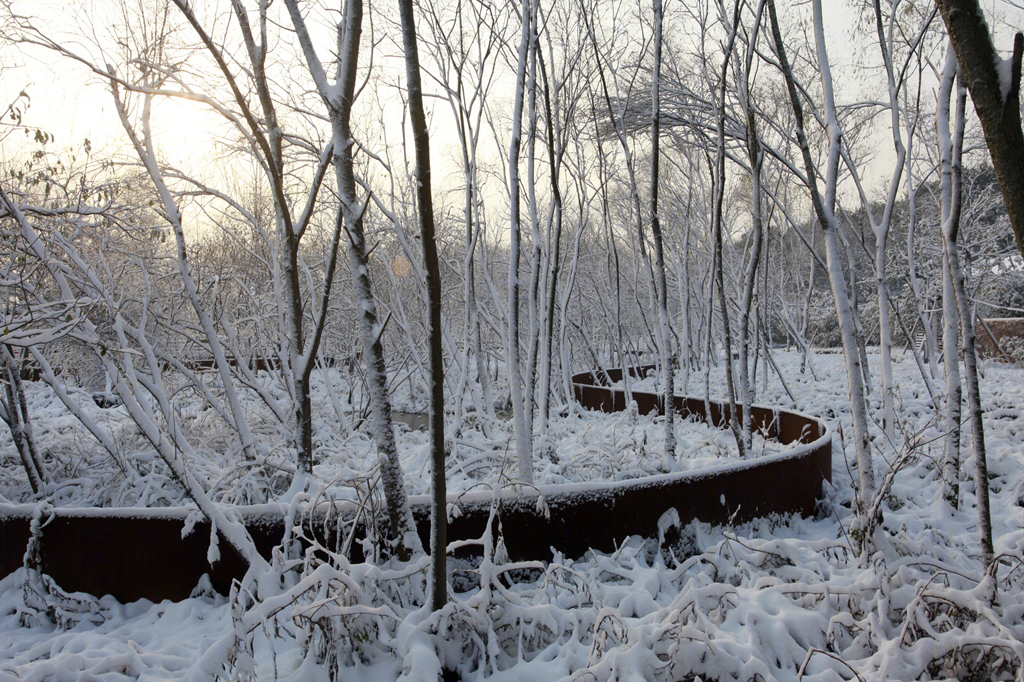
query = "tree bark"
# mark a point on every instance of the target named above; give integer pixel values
(15, 413)
(951, 152)
(998, 111)
(339, 102)
(524, 435)
(730, 372)
(824, 212)
(755, 157)
(425, 207)
(664, 322)
(951, 315)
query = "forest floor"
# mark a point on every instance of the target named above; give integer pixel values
(777, 598)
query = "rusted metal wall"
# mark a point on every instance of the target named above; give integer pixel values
(1001, 339)
(138, 553)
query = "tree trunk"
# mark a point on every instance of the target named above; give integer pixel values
(524, 436)
(15, 413)
(998, 110)
(664, 321)
(425, 206)
(730, 374)
(951, 315)
(534, 306)
(555, 162)
(954, 389)
(823, 209)
(951, 152)
(755, 159)
(339, 100)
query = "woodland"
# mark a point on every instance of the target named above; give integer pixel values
(318, 224)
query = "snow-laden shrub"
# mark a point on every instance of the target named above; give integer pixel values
(43, 602)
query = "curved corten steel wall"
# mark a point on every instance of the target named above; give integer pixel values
(136, 553)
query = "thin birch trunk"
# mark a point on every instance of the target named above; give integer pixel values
(823, 209)
(951, 315)
(854, 297)
(920, 304)
(886, 40)
(298, 365)
(15, 413)
(664, 321)
(952, 149)
(954, 388)
(612, 263)
(524, 435)
(755, 158)
(554, 161)
(534, 299)
(730, 372)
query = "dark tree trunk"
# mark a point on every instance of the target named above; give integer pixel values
(999, 113)
(425, 206)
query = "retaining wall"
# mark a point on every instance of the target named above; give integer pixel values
(136, 553)
(1001, 339)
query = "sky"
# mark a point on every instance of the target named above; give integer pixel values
(71, 104)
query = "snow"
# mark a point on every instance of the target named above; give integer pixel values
(775, 598)
(1004, 68)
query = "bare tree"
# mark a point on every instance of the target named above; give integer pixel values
(950, 208)
(14, 411)
(465, 48)
(823, 205)
(338, 98)
(664, 321)
(951, 153)
(142, 393)
(755, 158)
(425, 206)
(520, 402)
(157, 73)
(719, 266)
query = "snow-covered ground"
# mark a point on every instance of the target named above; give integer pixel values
(778, 598)
(578, 446)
